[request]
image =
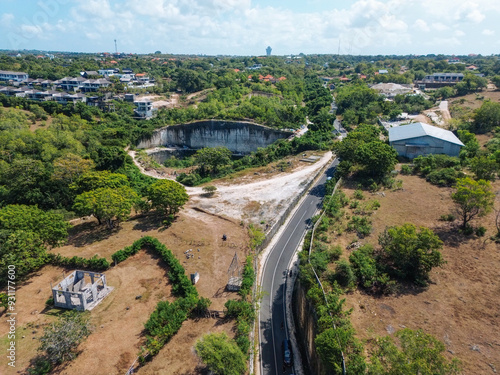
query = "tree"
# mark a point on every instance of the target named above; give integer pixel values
(471, 144)
(22, 249)
(496, 81)
(332, 342)
(472, 198)
(61, 338)
(484, 167)
(209, 190)
(167, 196)
(209, 159)
(50, 227)
(471, 83)
(107, 204)
(221, 355)
(487, 117)
(99, 179)
(69, 167)
(376, 158)
(417, 353)
(410, 254)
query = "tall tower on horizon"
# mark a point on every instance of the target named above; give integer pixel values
(268, 51)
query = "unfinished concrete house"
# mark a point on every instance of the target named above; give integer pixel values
(81, 290)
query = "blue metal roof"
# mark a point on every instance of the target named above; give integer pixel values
(419, 129)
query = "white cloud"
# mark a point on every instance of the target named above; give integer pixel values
(6, 19)
(488, 32)
(421, 25)
(469, 12)
(438, 26)
(241, 27)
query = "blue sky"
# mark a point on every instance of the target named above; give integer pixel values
(247, 27)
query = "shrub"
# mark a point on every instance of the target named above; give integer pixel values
(480, 231)
(444, 176)
(408, 253)
(406, 170)
(361, 225)
(344, 274)
(448, 217)
(358, 194)
(248, 278)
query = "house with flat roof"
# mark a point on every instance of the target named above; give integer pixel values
(7, 75)
(437, 80)
(417, 139)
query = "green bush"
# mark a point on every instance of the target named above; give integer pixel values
(358, 194)
(361, 225)
(448, 217)
(94, 263)
(364, 265)
(406, 170)
(248, 277)
(444, 176)
(344, 274)
(244, 313)
(480, 231)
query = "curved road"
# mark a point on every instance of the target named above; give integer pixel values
(272, 323)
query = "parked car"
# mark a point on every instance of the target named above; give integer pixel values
(287, 353)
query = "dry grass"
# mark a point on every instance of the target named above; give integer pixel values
(461, 306)
(119, 319)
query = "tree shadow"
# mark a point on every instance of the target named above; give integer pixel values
(451, 235)
(149, 222)
(89, 232)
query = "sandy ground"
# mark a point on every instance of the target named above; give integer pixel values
(159, 102)
(259, 197)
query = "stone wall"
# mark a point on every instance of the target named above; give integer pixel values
(239, 137)
(306, 322)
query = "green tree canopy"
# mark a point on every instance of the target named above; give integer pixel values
(107, 204)
(417, 353)
(69, 167)
(376, 158)
(410, 254)
(23, 249)
(487, 117)
(221, 355)
(472, 199)
(332, 342)
(99, 179)
(209, 159)
(50, 227)
(167, 196)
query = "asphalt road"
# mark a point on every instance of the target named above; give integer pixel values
(273, 328)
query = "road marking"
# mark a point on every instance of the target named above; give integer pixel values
(272, 290)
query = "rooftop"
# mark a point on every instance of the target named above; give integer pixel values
(419, 129)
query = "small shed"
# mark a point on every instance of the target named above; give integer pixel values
(417, 139)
